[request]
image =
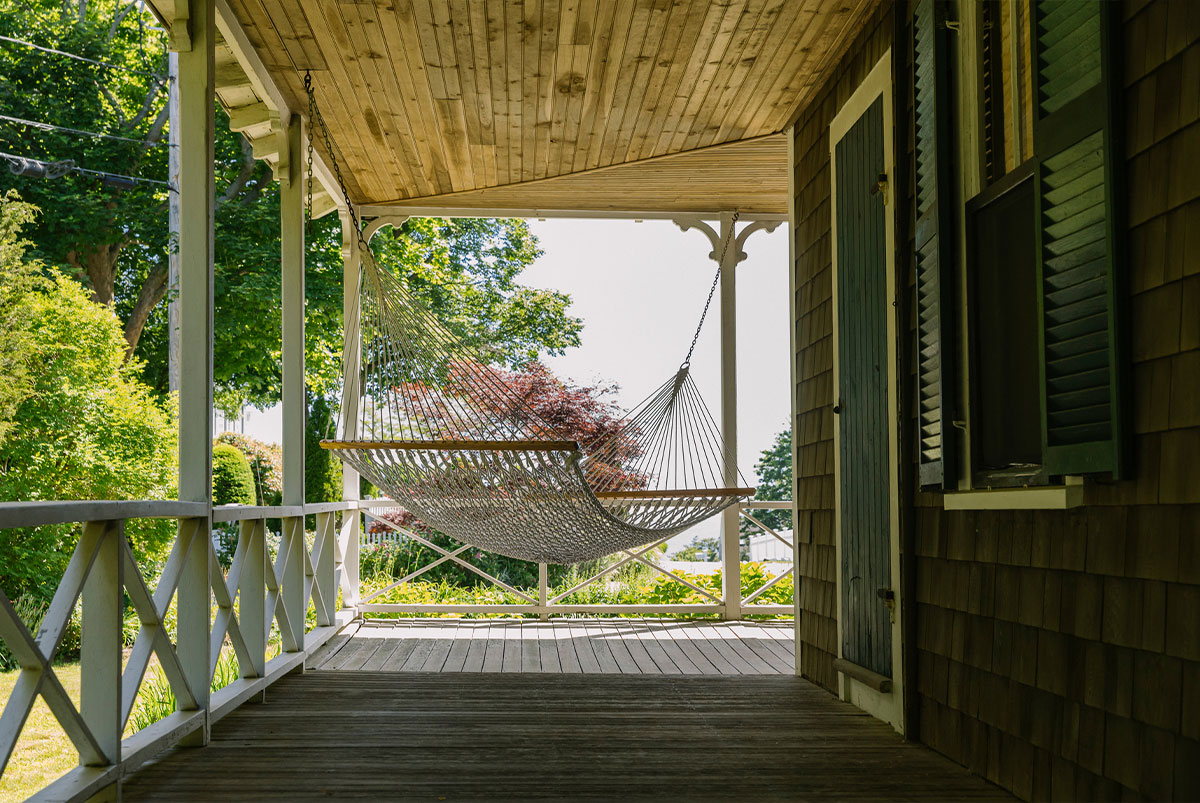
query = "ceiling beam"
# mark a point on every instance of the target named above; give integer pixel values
(264, 86)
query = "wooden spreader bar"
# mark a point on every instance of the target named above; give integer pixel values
(675, 494)
(458, 446)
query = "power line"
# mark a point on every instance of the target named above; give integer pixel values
(80, 131)
(38, 168)
(76, 56)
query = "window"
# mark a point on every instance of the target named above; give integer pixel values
(1035, 251)
(1005, 405)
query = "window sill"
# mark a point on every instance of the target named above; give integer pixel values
(1057, 497)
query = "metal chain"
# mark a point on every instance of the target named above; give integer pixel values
(314, 116)
(712, 290)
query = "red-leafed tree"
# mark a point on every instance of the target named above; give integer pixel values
(476, 401)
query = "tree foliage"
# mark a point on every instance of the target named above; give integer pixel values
(87, 429)
(465, 272)
(774, 470)
(18, 278)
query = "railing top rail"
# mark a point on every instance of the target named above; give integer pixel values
(36, 514)
(251, 512)
(766, 505)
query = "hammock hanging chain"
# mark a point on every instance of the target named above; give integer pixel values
(687, 361)
(315, 117)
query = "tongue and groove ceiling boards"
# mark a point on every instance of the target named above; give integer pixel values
(656, 105)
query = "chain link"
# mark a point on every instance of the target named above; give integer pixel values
(712, 290)
(314, 116)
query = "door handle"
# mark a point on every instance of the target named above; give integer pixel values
(889, 599)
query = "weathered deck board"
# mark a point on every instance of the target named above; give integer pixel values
(428, 736)
(570, 646)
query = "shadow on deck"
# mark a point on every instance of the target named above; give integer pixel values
(372, 735)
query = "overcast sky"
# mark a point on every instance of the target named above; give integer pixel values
(639, 288)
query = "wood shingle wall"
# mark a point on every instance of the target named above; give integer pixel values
(1057, 652)
(813, 434)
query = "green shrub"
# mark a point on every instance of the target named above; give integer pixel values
(87, 429)
(266, 464)
(233, 482)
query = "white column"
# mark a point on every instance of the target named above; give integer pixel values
(352, 519)
(196, 199)
(173, 223)
(731, 543)
(291, 230)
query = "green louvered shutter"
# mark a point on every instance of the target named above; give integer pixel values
(1078, 254)
(931, 268)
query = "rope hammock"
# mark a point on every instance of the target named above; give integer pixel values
(457, 442)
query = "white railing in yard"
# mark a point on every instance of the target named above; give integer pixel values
(259, 591)
(544, 605)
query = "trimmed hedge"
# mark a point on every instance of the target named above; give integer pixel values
(233, 481)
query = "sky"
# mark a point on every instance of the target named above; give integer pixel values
(640, 288)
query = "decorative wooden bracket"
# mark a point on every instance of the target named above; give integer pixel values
(736, 253)
(179, 35)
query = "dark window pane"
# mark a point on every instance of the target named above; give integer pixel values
(1006, 423)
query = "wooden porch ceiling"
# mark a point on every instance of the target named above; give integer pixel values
(655, 105)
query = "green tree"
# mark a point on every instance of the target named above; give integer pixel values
(774, 471)
(107, 232)
(701, 548)
(18, 278)
(233, 482)
(87, 429)
(113, 235)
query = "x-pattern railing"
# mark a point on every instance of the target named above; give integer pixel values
(259, 592)
(748, 601)
(545, 605)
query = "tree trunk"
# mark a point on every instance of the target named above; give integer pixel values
(153, 290)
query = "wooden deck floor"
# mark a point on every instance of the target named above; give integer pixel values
(588, 646)
(342, 735)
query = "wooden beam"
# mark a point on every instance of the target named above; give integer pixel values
(677, 493)
(291, 204)
(243, 117)
(457, 446)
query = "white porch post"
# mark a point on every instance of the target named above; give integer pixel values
(727, 245)
(295, 407)
(731, 542)
(352, 519)
(194, 36)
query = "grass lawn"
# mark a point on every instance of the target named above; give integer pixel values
(43, 752)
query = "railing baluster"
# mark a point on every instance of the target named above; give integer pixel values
(544, 590)
(100, 649)
(252, 592)
(323, 568)
(194, 601)
(349, 542)
(290, 573)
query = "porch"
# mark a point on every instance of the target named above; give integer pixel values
(475, 736)
(561, 646)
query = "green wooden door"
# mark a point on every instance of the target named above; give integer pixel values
(863, 394)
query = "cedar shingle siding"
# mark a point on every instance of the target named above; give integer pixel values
(1057, 652)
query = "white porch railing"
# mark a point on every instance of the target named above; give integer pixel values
(268, 589)
(259, 592)
(544, 605)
